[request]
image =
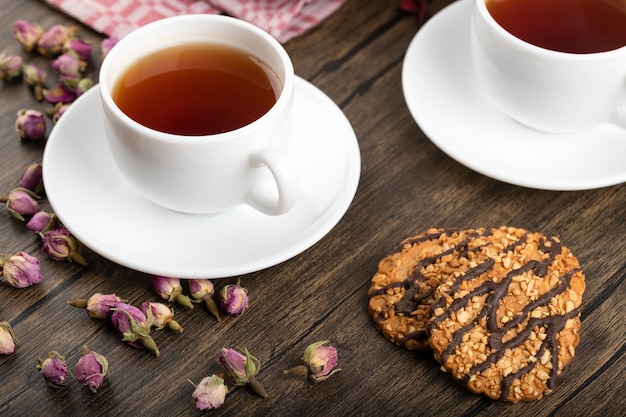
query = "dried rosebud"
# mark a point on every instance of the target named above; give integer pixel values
(30, 124)
(78, 47)
(132, 324)
(320, 361)
(83, 85)
(61, 93)
(60, 245)
(234, 299)
(10, 67)
(51, 42)
(68, 63)
(161, 315)
(21, 202)
(57, 111)
(107, 44)
(69, 82)
(34, 75)
(210, 393)
(27, 34)
(36, 79)
(241, 369)
(54, 370)
(8, 341)
(202, 290)
(41, 222)
(20, 270)
(170, 289)
(98, 305)
(91, 369)
(32, 178)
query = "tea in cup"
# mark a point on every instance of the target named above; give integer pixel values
(555, 66)
(198, 114)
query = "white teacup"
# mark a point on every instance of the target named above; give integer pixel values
(213, 172)
(546, 90)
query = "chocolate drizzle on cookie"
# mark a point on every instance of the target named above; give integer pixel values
(496, 291)
(416, 290)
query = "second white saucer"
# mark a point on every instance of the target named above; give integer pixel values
(444, 97)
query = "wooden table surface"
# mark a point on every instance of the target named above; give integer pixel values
(407, 185)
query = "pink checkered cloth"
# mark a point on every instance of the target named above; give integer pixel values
(283, 19)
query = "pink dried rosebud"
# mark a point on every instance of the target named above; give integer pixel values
(36, 79)
(34, 75)
(210, 393)
(203, 290)
(320, 361)
(21, 203)
(41, 222)
(30, 124)
(54, 370)
(133, 326)
(91, 369)
(27, 34)
(68, 63)
(98, 305)
(32, 178)
(61, 93)
(10, 66)
(20, 270)
(161, 315)
(107, 44)
(51, 42)
(60, 245)
(234, 299)
(78, 47)
(170, 289)
(241, 369)
(8, 341)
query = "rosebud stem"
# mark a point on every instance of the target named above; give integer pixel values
(256, 387)
(173, 324)
(183, 300)
(78, 258)
(149, 344)
(78, 303)
(300, 370)
(212, 307)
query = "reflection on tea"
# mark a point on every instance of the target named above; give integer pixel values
(574, 26)
(196, 89)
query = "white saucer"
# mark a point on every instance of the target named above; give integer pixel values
(95, 203)
(442, 93)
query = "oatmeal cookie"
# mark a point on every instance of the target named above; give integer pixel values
(507, 326)
(403, 288)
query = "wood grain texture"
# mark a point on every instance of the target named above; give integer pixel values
(407, 185)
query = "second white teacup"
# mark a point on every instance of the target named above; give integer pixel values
(195, 150)
(548, 90)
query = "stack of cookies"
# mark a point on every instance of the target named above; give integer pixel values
(499, 307)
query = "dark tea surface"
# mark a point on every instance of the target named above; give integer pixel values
(574, 26)
(197, 89)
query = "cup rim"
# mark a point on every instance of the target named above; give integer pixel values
(281, 101)
(482, 8)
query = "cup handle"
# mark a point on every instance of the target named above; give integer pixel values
(282, 171)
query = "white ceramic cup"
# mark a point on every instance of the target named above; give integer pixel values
(549, 91)
(205, 174)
